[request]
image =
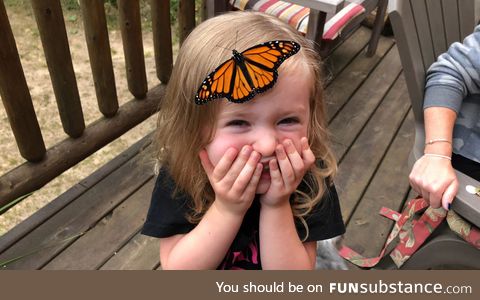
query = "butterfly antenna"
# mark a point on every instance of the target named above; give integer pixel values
(235, 45)
(236, 39)
(223, 47)
(236, 36)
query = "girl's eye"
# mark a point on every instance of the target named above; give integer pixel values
(291, 120)
(237, 123)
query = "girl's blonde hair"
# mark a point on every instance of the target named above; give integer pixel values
(185, 128)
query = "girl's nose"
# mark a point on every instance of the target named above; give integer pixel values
(265, 143)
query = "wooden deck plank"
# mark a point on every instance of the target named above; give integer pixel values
(140, 146)
(369, 124)
(96, 246)
(140, 253)
(350, 120)
(351, 78)
(79, 216)
(74, 192)
(38, 218)
(345, 53)
(362, 159)
(367, 231)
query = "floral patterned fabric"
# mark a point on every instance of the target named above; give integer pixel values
(412, 232)
(464, 229)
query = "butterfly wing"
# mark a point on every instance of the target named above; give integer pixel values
(242, 89)
(239, 80)
(218, 84)
(270, 55)
(260, 63)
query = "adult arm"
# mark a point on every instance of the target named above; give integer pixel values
(455, 75)
(433, 177)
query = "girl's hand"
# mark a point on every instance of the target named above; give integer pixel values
(287, 171)
(434, 179)
(234, 179)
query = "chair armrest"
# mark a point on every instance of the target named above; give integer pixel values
(334, 27)
(327, 6)
(466, 204)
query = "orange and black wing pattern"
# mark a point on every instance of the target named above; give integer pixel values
(218, 84)
(246, 74)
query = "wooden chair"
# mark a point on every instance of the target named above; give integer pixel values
(321, 11)
(423, 30)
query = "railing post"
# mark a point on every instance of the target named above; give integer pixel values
(162, 38)
(51, 26)
(96, 34)
(16, 96)
(131, 27)
(186, 18)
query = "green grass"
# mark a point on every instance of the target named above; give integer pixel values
(66, 4)
(13, 203)
(72, 12)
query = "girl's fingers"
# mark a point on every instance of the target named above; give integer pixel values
(237, 166)
(286, 168)
(294, 157)
(252, 185)
(223, 166)
(275, 175)
(307, 153)
(245, 176)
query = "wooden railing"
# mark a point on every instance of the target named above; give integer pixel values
(43, 164)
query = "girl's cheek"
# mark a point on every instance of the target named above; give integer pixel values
(212, 154)
(217, 148)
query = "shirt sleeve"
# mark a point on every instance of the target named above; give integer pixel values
(325, 220)
(455, 74)
(167, 212)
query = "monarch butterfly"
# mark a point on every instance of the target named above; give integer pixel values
(246, 74)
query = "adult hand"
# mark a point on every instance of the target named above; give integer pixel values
(234, 179)
(434, 178)
(287, 171)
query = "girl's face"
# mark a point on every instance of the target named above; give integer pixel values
(268, 119)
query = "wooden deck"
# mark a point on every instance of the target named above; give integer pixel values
(96, 224)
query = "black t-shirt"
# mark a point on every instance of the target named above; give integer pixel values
(167, 217)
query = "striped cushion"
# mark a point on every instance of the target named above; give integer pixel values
(297, 16)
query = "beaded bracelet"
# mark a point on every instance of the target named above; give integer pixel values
(438, 155)
(432, 141)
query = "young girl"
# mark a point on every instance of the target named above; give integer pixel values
(238, 186)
